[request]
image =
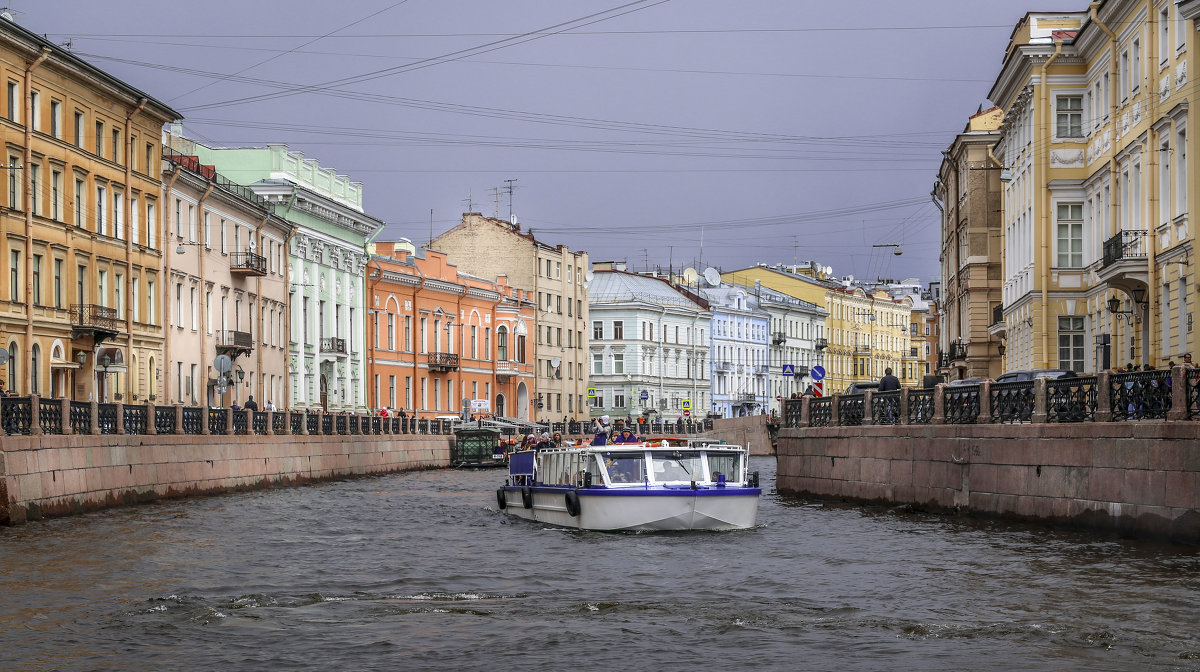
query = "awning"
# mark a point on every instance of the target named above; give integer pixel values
(56, 363)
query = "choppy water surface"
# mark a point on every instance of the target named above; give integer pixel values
(419, 571)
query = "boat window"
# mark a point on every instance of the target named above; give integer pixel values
(676, 465)
(593, 467)
(729, 464)
(626, 467)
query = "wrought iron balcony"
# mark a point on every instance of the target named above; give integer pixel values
(862, 349)
(334, 346)
(723, 366)
(958, 350)
(248, 263)
(778, 338)
(746, 397)
(442, 361)
(761, 370)
(997, 314)
(101, 322)
(821, 343)
(234, 343)
(1125, 246)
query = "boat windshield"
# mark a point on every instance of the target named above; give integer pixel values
(729, 464)
(625, 467)
(676, 465)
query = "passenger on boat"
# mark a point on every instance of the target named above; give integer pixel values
(626, 436)
(602, 430)
(545, 443)
(557, 440)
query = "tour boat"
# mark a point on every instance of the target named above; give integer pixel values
(660, 485)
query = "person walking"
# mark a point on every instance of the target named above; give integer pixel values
(889, 382)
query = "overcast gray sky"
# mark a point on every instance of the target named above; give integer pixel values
(774, 130)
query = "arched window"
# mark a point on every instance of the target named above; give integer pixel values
(501, 344)
(35, 352)
(13, 365)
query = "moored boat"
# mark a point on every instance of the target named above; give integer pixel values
(667, 484)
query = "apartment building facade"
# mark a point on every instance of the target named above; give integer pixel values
(437, 336)
(557, 277)
(739, 337)
(80, 252)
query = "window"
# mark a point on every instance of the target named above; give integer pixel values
(224, 247)
(391, 335)
(79, 129)
(119, 216)
(207, 236)
(1135, 81)
(1070, 343)
(520, 348)
(618, 363)
(151, 226)
(56, 195)
(58, 264)
(13, 105)
(135, 289)
(14, 277)
(501, 344)
(134, 233)
(1181, 184)
(618, 330)
(597, 364)
(37, 279)
(151, 299)
(99, 138)
(1123, 74)
(101, 226)
(1164, 36)
(1069, 116)
(56, 118)
(35, 104)
(35, 179)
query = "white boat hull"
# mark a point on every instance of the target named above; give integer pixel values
(639, 509)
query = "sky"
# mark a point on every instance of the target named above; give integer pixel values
(657, 132)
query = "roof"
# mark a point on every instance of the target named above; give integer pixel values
(624, 287)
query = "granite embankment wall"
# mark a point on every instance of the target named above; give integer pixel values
(50, 475)
(750, 431)
(1139, 478)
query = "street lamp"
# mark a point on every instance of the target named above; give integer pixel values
(182, 245)
(1139, 298)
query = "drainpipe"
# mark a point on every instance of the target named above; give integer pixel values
(287, 400)
(202, 252)
(1043, 108)
(27, 181)
(127, 289)
(164, 295)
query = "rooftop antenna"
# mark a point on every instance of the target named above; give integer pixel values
(645, 258)
(470, 201)
(495, 202)
(430, 245)
(509, 188)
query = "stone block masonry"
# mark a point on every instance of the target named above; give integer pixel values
(53, 475)
(1141, 479)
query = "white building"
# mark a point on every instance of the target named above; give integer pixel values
(740, 333)
(649, 346)
(798, 343)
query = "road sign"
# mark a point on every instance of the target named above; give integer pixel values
(818, 389)
(591, 393)
(480, 405)
(644, 395)
(687, 413)
(779, 397)
(687, 404)
(817, 372)
(789, 369)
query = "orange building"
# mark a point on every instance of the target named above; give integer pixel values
(436, 336)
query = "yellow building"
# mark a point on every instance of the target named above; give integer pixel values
(81, 254)
(1094, 155)
(968, 194)
(866, 331)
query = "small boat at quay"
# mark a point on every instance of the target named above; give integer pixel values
(660, 485)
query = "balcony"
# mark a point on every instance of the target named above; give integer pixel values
(761, 370)
(442, 361)
(505, 370)
(821, 343)
(997, 327)
(100, 322)
(723, 367)
(247, 264)
(1124, 259)
(862, 349)
(333, 346)
(778, 338)
(958, 351)
(234, 343)
(745, 397)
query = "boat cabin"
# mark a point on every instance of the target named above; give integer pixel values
(616, 466)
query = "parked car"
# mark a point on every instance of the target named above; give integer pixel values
(1030, 374)
(859, 388)
(965, 381)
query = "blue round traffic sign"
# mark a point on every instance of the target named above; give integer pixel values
(817, 372)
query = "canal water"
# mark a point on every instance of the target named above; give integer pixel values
(419, 571)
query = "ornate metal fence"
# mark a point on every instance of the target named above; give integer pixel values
(16, 415)
(164, 419)
(920, 407)
(1071, 399)
(850, 409)
(50, 416)
(193, 420)
(1141, 395)
(885, 407)
(217, 420)
(106, 417)
(81, 417)
(135, 419)
(820, 411)
(1012, 402)
(961, 404)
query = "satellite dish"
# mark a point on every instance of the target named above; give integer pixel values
(555, 361)
(223, 364)
(589, 275)
(253, 244)
(690, 275)
(712, 277)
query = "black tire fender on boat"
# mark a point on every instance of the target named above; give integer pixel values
(500, 499)
(573, 503)
(527, 497)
